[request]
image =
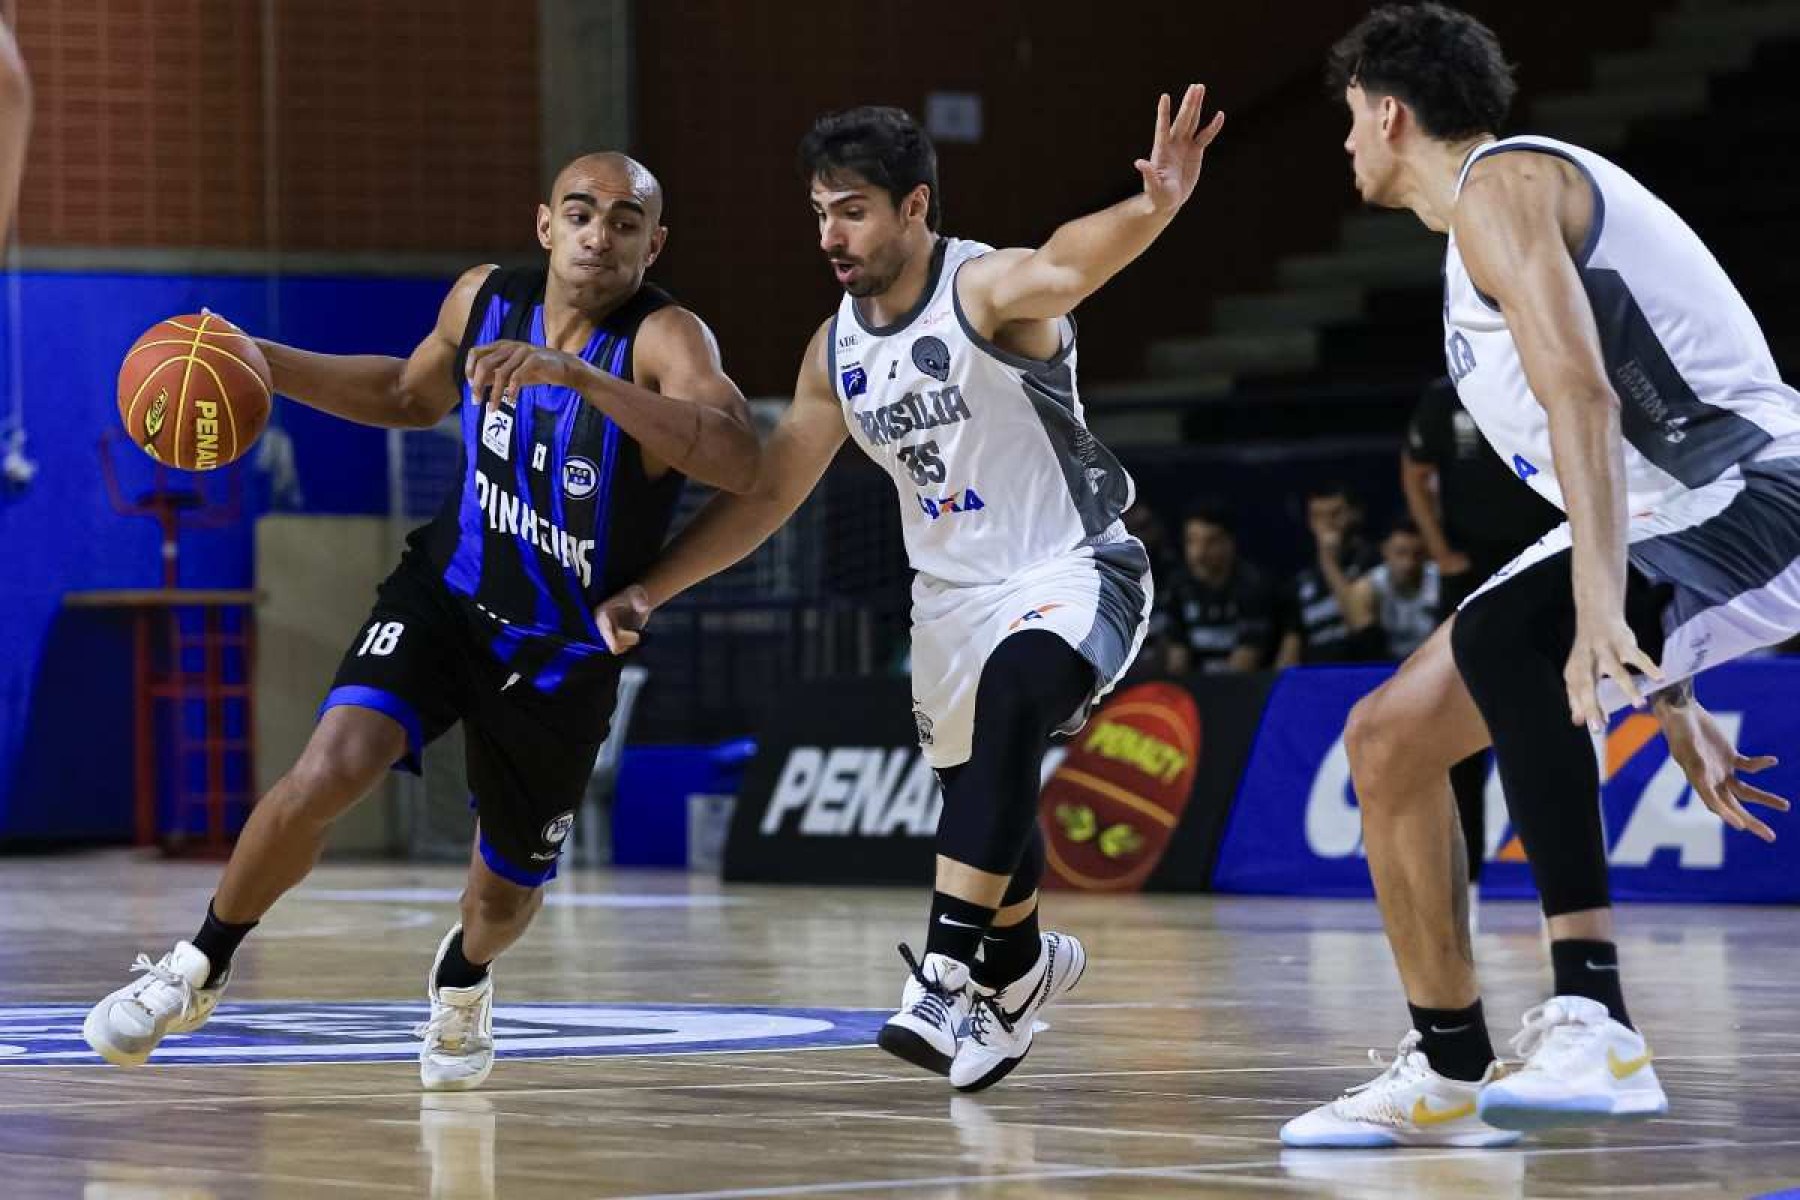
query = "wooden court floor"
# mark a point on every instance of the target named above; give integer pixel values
(714, 1042)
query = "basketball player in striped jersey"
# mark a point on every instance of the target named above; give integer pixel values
(585, 396)
(952, 365)
(1608, 359)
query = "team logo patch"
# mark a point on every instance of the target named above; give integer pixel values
(922, 720)
(558, 829)
(931, 356)
(581, 479)
(288, 1031)
(1036, 614)
(496, 431)
(856, 381)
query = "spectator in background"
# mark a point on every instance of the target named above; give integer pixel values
(1146, 525)
(1218, 610)
(1325, 619)
(1475, 515)
(1403, 591)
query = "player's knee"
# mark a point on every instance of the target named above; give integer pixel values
(1026, 684)
(1383, 745)
(317, 789)
(498, 903)
(1367, 736)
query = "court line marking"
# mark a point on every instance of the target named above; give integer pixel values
(829, 1081)
(168, 1174)
(1096, 1130)
(1188, 1172)
(667, 1061)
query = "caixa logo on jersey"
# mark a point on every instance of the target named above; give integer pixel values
(311, 1032)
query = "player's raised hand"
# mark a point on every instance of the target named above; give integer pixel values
(1604, 650)
(499, 369)
(1179, 148)
(1712, 764)
(622, 617)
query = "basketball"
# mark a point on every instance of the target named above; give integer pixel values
(194, 392)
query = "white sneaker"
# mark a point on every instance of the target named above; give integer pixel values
(1580, 1066)
(1000, 1023)
(1408, 1104)
(126, 1026)
(933, 1006)
(459, 1038)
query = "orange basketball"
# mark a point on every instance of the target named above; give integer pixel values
(194, 392)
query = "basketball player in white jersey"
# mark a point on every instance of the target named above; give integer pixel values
(1609, 360)
(952, 365)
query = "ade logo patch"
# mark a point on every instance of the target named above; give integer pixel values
(317, 1032)
(581, 478)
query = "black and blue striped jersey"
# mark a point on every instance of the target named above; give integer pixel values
(552, 510)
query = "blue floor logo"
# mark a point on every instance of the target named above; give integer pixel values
(316, 1032)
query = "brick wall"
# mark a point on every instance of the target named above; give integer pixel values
(397, 125)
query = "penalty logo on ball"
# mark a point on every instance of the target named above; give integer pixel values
(303, 1032)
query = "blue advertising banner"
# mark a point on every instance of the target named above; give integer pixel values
(1295, 828)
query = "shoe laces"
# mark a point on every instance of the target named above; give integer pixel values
(1375, 1101)
(934, 1004)
(452, 1027)
(1552, 1036)
(161, 974)
(985, 1010)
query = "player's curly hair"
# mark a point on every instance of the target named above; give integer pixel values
(1442, 64)
(883, 145)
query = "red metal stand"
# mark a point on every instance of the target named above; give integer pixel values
(198, 643)
(164, 687)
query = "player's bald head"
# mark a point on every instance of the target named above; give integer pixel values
(609, 176)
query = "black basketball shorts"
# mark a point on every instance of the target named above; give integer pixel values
(426, 662)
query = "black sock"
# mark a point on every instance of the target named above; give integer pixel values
(455, 971)
(1007, 952)
(1590, 969)
(956, 927)
(218, 940)
(1455, 1040)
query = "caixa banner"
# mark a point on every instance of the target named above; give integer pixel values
(1295, 827)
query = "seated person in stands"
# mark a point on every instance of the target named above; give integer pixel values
(1401, 596)
(1319, 602)
(1217, 611)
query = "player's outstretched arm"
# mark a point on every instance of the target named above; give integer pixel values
(15, 123)
(1515, 221)
(729, 527)
(375, 389)
(1023, 285)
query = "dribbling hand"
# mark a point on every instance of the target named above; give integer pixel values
(499, 369)
(1178, 150)
(622, 617)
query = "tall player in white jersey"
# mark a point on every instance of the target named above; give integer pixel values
(1609, 360)
(952, 365)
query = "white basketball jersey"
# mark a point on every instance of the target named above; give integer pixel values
(989, 452)
(1698, 389)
